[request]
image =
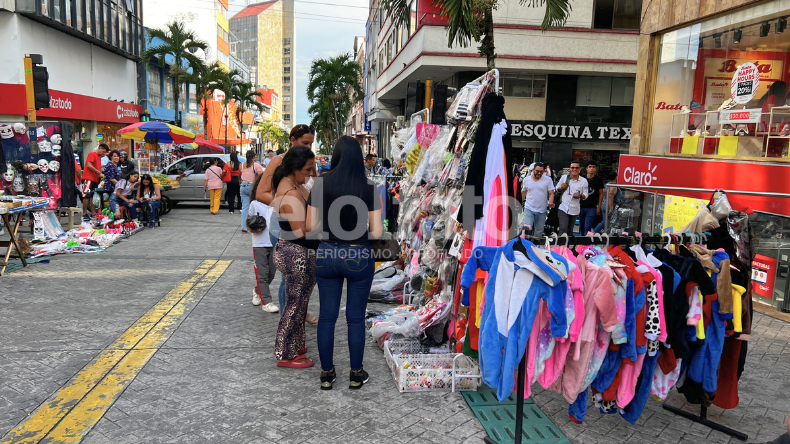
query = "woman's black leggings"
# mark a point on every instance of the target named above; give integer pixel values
(233, 194)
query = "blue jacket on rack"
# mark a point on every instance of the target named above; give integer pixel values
(516, 284)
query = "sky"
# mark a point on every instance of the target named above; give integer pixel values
(324, 28)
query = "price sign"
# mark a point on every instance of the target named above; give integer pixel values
(744, 83)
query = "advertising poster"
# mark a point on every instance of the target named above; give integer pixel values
(763, 275)
(679, 211)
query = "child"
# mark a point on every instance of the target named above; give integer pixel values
(263, 254)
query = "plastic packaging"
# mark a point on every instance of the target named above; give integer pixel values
(721, 208)
(405, 324)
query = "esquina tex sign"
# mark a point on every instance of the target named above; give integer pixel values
(569, 132)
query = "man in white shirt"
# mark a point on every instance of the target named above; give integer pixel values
(537, 191)
(576, 189)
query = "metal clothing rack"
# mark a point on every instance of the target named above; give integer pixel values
(636, 239)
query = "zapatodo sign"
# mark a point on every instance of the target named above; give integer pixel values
(744, 83)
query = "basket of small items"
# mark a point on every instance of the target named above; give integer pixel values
(414, 370)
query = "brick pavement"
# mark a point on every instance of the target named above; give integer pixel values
(215, 379)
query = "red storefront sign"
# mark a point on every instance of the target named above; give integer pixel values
(763, 275)
(65, 105)
(645, 171)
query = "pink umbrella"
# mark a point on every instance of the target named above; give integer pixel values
(203, 146)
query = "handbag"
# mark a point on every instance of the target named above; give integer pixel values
(225, 176)
(256, 223)
(387, 248)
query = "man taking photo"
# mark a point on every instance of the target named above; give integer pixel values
(574, 189)
(591, 206)
(538, 194)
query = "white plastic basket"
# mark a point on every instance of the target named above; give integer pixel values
(419, 372)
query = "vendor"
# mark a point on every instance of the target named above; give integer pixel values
(148, 194)
(124, 193)
(126, 165)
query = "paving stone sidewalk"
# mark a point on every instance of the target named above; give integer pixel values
(216, 381)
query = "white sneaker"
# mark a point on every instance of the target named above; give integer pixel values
(271, 307)
(256, 300)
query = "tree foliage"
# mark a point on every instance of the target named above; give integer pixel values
(205, 78)
(332, 89)
(179, 43)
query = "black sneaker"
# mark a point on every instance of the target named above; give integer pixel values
(358, 378)
(327, 379)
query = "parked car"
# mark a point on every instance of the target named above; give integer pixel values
(191, 186)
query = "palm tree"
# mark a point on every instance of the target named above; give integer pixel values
(179, 43)
(474, 20)
(226, 83)
(333, 88)
(204, 77)
(274, 134)
(246, 97)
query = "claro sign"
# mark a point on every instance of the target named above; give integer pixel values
(677, 176)
(69, 106)
(570, 132)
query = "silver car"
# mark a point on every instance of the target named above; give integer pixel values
(191, 186)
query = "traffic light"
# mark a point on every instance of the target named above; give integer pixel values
(145, 117)
(40, 84)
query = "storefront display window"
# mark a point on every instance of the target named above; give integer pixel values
(111, 137)
(699, 109)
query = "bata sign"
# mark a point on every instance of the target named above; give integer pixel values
(589, 132)
(69, 106)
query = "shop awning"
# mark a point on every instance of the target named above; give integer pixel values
(763, 187)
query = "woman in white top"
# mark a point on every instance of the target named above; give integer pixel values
(124, 192)
(249, 170)
(263, 254)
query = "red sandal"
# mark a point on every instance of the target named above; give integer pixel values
(297, 362)
(302, 351)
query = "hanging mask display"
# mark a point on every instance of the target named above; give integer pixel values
(6, 132)
(43, 181)
(20, 128)
(56, 139)
(52, 131)
(43, 166)
(54, 166)
(9, 174)
(19, 184)
(32, 184)
(45, 147)
(41, 133)
(56, 150)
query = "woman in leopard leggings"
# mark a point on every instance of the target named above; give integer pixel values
(294, 255)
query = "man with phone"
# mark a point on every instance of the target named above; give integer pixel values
(573, 188)
(537, 191)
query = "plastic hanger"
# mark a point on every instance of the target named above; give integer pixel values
(669, 241)
(567, 239)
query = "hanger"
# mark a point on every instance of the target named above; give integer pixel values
(607, 241)
(567, 239)
(669, 240)
(556, 239)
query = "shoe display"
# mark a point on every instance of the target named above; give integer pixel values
(728, 104)
(785, 130)
(358, 378)
(327, 379)
(256, 300)
(742, 130)
(271, 307)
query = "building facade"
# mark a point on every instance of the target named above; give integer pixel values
(711, 112)
(209, 22)
(91, 56)
(355, 126)
(581, 75)
(265, 33)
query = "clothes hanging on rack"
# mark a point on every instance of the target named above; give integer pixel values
(612, 320)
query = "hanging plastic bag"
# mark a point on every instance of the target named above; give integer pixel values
(405, 324)
(721, 208)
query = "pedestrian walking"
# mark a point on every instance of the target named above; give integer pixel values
(262, 253)
(370, 165)
(293, 255)
(300, 135)
(249, 172)
(149, 194)
(213, 183)
(611, 197)
(345, 255)
(591, 205)
(537, 191)
(232, 193)
(573, 188)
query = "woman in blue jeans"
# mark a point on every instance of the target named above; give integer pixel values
(346, 210)
(148, 194)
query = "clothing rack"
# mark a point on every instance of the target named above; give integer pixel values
(636, 239)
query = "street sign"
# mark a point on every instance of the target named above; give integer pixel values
(367, 124)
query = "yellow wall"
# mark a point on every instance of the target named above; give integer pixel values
(270, 52)
(525, 109)
(222, 22)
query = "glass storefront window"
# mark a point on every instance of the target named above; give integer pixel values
(696, 67)
(524, 85)
(111, 137)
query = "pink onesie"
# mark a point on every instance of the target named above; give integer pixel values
(599, 305)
